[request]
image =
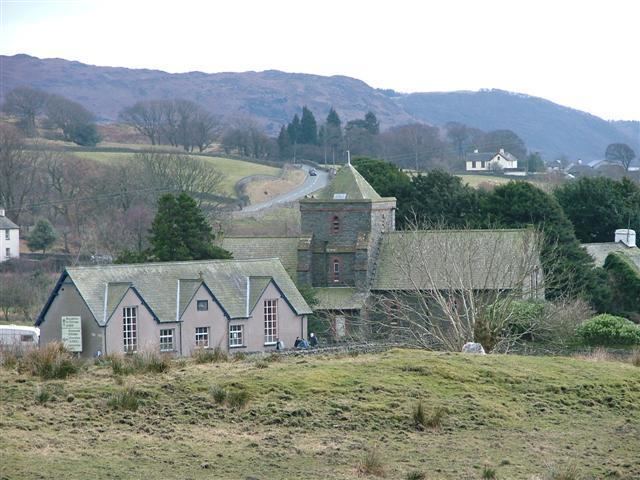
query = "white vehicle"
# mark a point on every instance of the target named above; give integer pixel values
(19, 336)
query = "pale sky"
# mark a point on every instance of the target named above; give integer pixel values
(582, 54)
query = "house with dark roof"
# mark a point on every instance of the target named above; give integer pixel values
(9, 238)
(175, 307)
(349, 251)
(624, 243)
(488, 161)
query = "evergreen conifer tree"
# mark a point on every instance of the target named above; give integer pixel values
(42, 236)
(180, 231)
(308, 128)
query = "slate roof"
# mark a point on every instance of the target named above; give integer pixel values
(339, 298)
(448, 259)
(600, 251)
(487, 156)
(480, 156)
(157, 284)
(349, 182)
(284, 248)
(6, 224)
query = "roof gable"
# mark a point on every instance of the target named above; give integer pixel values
(157, 285)
(348, 184)
(6, 224)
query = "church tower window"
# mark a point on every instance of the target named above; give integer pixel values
(335, 224)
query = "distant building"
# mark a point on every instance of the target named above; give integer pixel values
(485, 161)
(9, 238)
(175, 307)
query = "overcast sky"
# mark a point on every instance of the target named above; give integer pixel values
(583, 54)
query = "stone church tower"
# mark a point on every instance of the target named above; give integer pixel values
(341, 230)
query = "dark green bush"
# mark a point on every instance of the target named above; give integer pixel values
(524, 316)
(607, 330)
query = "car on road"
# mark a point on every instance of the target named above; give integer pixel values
(313, 172)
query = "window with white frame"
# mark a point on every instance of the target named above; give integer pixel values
(166, 340)
(270, 321)
(130, 329)
(236, 335)
(202, 337)
(8, 252)
(7, 234)
(336, 270)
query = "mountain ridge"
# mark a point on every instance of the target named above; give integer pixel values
(273, 96)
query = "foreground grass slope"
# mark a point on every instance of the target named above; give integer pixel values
(316, 417)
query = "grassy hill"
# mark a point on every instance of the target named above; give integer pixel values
(317, 417)
(234, 170)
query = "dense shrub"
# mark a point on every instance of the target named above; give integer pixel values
(625, 283)
(525, 318)
(206, 355)
(125, 399)
(52, 361)
(237, 399)
(219, 394)
(146, 361)
(607, 329)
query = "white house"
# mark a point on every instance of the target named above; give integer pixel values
(486, 161)
(9, 238)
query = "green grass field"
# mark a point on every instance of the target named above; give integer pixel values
(234, 170)
(316, 417)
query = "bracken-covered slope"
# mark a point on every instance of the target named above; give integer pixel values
(272, 97)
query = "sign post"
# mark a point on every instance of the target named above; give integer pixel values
(72, 333)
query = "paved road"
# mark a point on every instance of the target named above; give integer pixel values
(311, 184)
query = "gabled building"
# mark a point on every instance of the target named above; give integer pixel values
(349, 250)
(488, 161)
(9, 238)
(175, 307)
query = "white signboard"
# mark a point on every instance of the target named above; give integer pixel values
(72, 333)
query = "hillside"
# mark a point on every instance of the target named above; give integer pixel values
(272, 97)
(545, 126)
(316, 417)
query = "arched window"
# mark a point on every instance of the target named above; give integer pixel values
(335, 224)
(335, 269)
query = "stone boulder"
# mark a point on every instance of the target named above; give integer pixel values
(472, 347)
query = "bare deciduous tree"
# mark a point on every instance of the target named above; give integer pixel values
(18, 171)
(67, 115)
(172, 172)
(147, 117)
(246, 138)
(26, 104)
(449, 287)
(72, 187)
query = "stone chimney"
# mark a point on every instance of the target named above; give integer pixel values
(1, 212)
(626, 236)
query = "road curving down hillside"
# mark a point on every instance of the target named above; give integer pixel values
(310, 185)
